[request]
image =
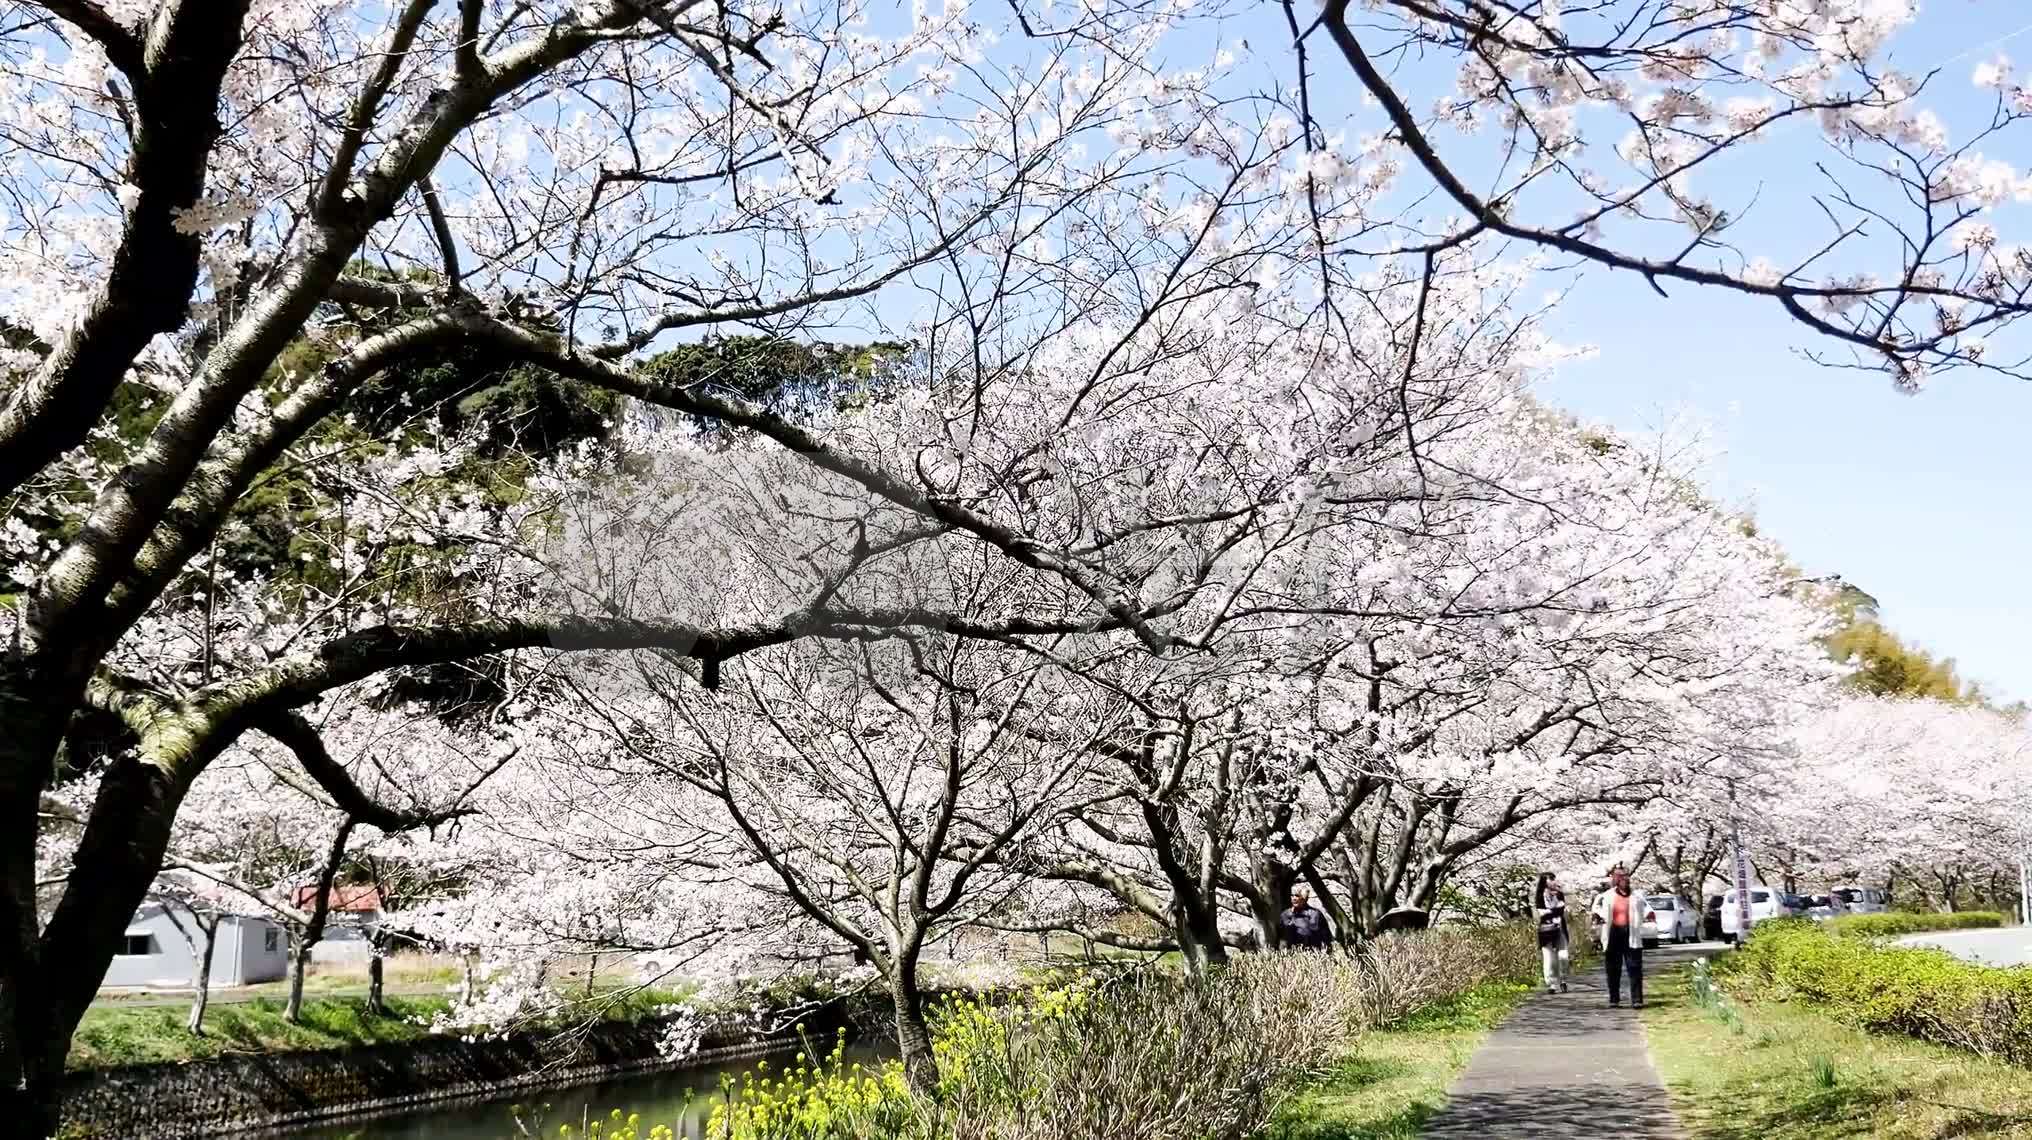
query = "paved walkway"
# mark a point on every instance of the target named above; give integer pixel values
(1565, 1065)
(2010, 946)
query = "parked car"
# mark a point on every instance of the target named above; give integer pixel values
(1711, 919)
(1765, 905)
(1862, 900)
(1820, 908)
(1672, 919)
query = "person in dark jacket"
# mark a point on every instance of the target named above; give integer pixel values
(1302, 927)
(1548, 906)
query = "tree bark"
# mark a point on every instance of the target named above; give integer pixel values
(293, 1012)
(376, 1003)
(320, 912)
(201, 978)
(913, 1032)
(1275, 880)
(148, 283)
(1199, 939)
(29, 733)
(117, 861)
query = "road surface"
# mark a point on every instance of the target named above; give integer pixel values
(2009, 946)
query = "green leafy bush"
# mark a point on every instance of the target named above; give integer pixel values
(1923, 993)
(1911, 922)
(814, 1097)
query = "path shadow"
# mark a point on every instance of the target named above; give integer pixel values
(1630, 1112)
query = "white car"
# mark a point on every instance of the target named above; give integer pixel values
(1862, 900)
(1766, 903)
(1668, 918)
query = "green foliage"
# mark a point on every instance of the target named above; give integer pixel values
(1398, 1079)
(791, 378)
(1883, 664)
(111, 1036)
(813, 1099)
(1886, 666)
(1103, 1054)
(614, 1126)
(1913, 922)
(1922, 993)
(1499, 895)
(1764, 1082)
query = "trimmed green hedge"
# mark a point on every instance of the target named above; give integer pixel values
(1923, 993)
(1913, 922)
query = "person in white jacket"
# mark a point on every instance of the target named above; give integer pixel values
(1618, 919)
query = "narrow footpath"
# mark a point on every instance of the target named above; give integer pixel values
(1565, 1065)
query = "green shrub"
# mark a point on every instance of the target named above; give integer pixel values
(1918, 992)
(1913, 922)
(813, 1097)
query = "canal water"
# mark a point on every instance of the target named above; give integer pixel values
(682, 1099)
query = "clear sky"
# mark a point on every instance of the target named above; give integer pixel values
(1924, 501)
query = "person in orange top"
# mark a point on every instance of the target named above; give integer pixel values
(1618, 917)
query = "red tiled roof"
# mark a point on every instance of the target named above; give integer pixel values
(350, 899)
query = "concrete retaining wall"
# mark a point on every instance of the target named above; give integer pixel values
(225, 1095)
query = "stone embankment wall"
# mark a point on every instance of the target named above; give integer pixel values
(224, 1095)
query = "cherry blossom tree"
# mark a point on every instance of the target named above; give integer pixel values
(1536, 621)
(1601, 131)
(1917, 793)
(226, 219)
(874, 788)
(230, 217)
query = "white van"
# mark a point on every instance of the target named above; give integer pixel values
(1862, 900)
(1766, 903)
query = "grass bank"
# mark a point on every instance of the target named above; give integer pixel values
(115, 1034)
(1398, 1077)
(151, 1035)
(1784, 1071)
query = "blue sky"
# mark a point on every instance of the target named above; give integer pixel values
(1925, 501)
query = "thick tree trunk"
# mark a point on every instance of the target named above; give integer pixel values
(913, 1032)
(293, 1012)
(30, 730)
(1199, 939)
(1273, 885)
(47, 984)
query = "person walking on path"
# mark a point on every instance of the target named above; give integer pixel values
(1303, 927)
(1548, 906)
(1618, 916)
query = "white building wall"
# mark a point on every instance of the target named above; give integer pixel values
(264, 950)
(250, 950)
